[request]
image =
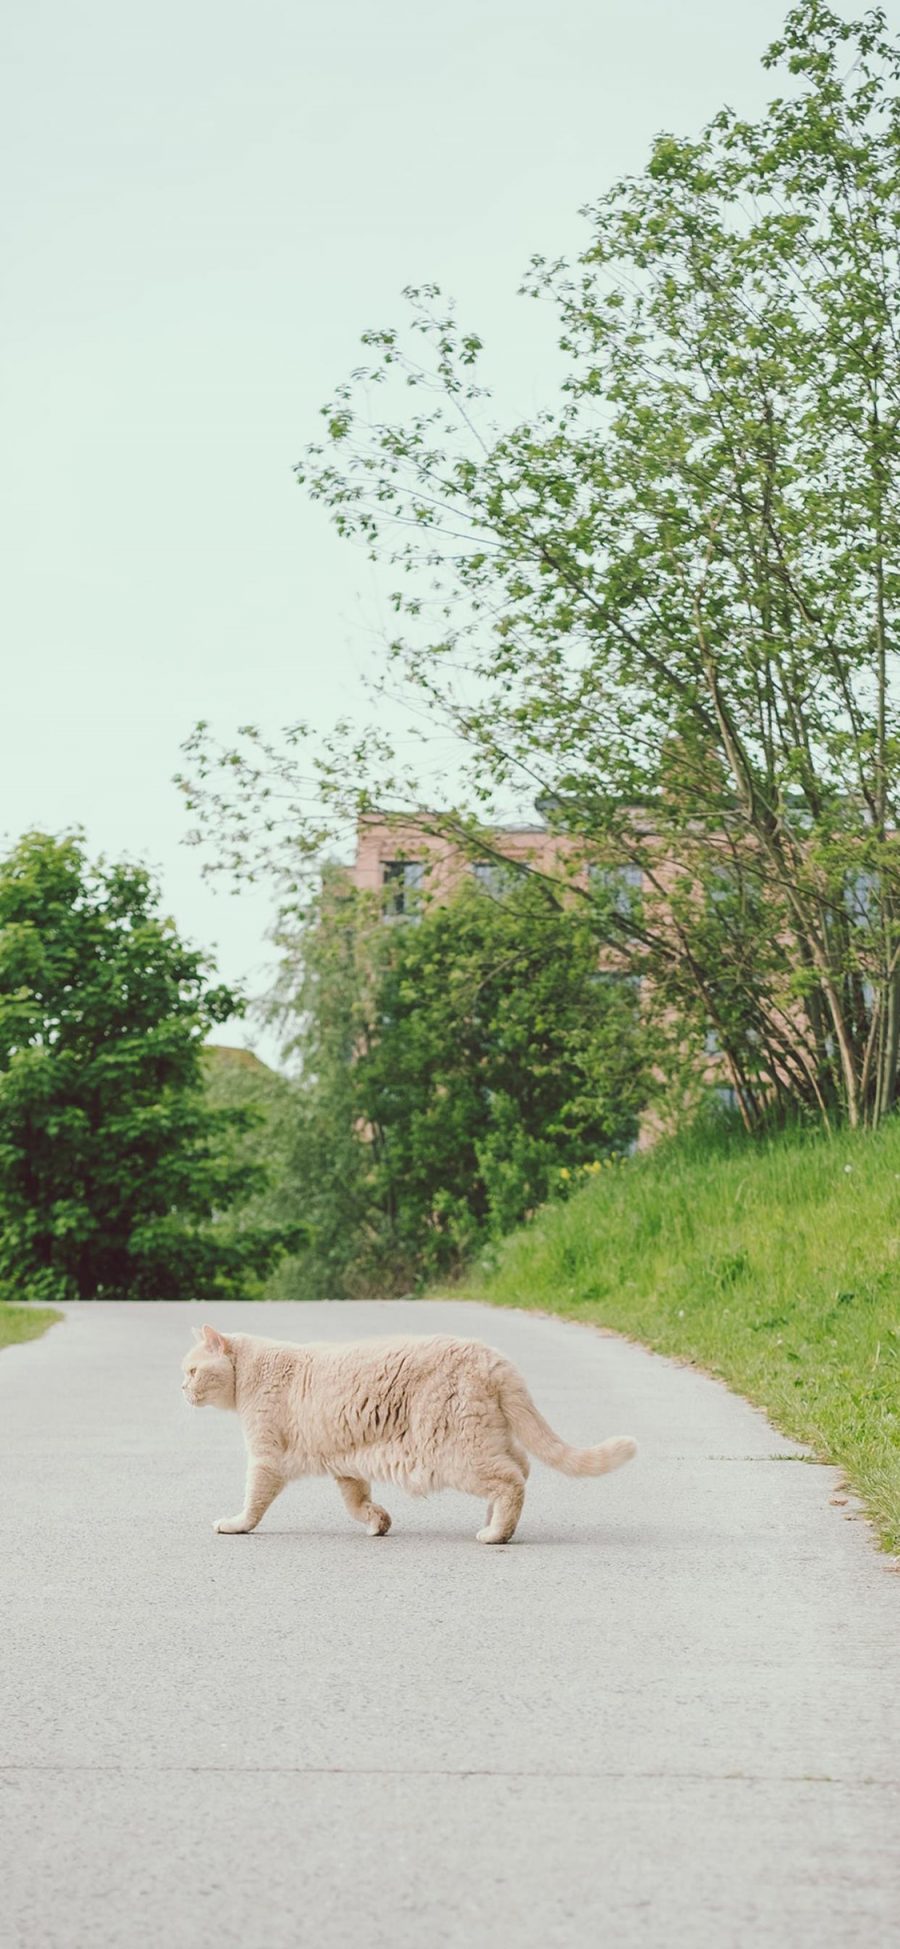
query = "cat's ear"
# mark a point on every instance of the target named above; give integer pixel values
(216, 1342)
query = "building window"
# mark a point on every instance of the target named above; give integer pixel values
(861, 897)
(402, 880)
(495, 876)
(721, 887)
(620, 885)
(797, 815)
(618, 980)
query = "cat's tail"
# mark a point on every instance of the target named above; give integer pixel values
(536, 1434)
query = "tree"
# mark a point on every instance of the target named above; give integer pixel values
(262, 1148)
(457, 1068)
(114, 1172)
(672, 603)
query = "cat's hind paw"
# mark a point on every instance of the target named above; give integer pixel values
(379, 1522)
(232, 1526)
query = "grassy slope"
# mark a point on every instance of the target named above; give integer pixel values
(777, 1268)
(24, 1323)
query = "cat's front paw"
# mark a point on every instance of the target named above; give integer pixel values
(232, 1526)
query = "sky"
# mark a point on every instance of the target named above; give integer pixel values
(207, 203)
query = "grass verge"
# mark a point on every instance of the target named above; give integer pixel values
(775, 1266)
(24, 1323)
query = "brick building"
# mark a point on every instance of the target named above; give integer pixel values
(401, 859)
(406, 863)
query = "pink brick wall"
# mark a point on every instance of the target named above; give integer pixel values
(380, 840)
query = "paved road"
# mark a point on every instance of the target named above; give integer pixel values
(666, 1715)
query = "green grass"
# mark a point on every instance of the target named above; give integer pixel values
(24, 1323)
(776, 1267)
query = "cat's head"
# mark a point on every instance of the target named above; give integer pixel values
(209, 1371)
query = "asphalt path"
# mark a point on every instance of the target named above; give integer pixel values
(667, 1714)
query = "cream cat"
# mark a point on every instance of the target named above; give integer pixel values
(431, 1413)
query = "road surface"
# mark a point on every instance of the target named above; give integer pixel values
(668, 1714)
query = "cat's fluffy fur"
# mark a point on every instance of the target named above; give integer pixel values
(428, 1413)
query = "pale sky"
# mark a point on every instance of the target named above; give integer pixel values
(205, 205)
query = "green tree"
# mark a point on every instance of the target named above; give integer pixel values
(114, 1172)
(457, 1068)
(677, 594)
(262, 1146)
